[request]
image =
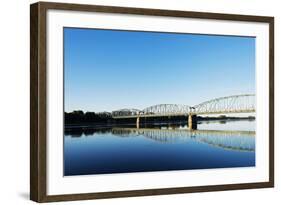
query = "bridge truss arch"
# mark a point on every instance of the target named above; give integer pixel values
(126, 112)
(167, 109)
(224, 105)
(231, 104)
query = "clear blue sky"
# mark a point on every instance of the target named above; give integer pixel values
(107, 70)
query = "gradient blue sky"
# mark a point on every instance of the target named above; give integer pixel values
(107, 70)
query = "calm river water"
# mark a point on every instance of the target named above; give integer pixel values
(216, 144)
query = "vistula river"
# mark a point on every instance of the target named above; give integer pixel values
(159, 147)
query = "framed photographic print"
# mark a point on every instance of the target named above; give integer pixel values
(134, 102)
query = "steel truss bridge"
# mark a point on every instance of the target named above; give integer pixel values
(225, 139)
(230, 104)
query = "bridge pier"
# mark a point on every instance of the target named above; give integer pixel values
(192, 122)
(138, 123)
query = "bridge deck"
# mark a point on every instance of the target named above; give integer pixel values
(182, 114)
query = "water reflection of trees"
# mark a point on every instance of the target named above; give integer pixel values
(79, 131)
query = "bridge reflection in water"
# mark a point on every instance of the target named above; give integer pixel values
(226, 139)
(158, 147)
